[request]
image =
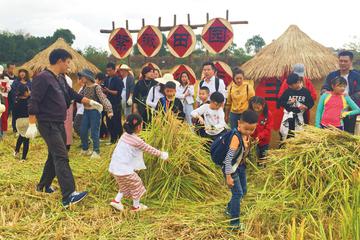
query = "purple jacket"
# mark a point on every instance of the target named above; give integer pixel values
(50, 96)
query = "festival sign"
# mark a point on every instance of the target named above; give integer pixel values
(177, 70)
(149, 41)
(120, 43)
(181, 41)
(224, 72)
(217, 35)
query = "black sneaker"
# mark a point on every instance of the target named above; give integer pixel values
(49, 189)
(74, 198)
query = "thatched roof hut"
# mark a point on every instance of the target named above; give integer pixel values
(41, 60)
(292, 47)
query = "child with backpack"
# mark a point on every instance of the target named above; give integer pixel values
(262, 133)
(127, 159)
(238, 97)
(229, 152)
(334, 106)
(212, 116)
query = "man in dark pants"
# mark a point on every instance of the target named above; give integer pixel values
(112, 88)
(353, 84)
(50, 98)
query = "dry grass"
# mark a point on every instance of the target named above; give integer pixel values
(292, 47)
(41, 60)
(268, 211)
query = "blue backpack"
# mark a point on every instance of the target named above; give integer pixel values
(220, 146)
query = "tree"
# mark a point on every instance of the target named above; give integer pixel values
(98, 57)
(254, 44)
(163, 50)
(66, 34)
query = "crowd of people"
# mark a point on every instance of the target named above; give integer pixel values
(109, 104)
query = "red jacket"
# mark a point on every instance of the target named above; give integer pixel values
(263, 129)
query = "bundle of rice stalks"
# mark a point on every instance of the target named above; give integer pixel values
(189, 173)
(307, 179)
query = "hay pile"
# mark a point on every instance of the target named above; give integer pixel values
(307, 185)
(305, 192)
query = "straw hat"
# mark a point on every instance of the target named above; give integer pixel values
(168, 77)
(124, 67)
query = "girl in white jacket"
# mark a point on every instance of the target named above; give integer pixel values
(185, 92)
(128, 158)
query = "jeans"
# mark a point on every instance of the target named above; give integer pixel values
(238, 191)
(188, 108)
(57, 163)
(90, 120)
(114, 124)
(126, 109)
(261, 151)
(234, 118)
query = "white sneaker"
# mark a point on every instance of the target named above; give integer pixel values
(141, 208)
(16, 155)
(86, 152)
(95, 155)
(117, 205)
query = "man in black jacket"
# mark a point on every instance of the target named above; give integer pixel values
(50, 98)
(353, 84)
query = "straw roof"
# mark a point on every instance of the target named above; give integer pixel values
(292, 47)
(41, 60)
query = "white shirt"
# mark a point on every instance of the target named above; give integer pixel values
(128, 155)
(212, 118)
(212, 88)
(79, 106)
(123, 93)
(347, 85)
(182, 90)
(156, 95)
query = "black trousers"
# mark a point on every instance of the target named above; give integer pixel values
(25, 142)
(57, 163)
(349, 124)
(103, 128)
(114, 124)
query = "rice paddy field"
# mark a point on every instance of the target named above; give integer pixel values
(310, 189)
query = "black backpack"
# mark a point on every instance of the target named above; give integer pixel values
(220, 146)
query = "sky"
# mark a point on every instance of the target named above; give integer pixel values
(331, 23)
